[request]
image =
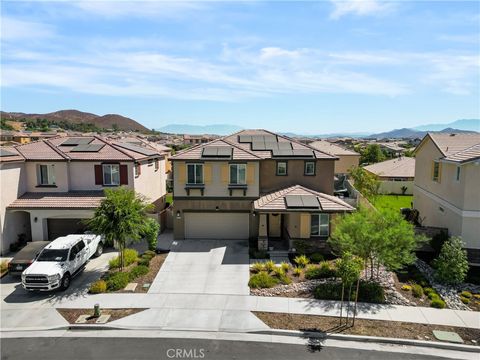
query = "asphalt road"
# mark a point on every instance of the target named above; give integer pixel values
(63, 348)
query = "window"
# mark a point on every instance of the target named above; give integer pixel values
(457, 174)
(238, 174)
(111, 174)
(319, 225)
(309, 168)
(157, 164)
(194, 173)
(138, 169)
(281, 168)
(46, 174)
(436, 171)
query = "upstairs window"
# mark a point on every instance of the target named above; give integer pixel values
(111, 174)
(319, 225)
(281, 168)
(309, 168)
(138, 169)
(157, 164)
(194, 173)
(238, 174)
(436, 171)
(46, 174)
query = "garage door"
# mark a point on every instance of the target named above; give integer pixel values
(62, 227)
(216, 226)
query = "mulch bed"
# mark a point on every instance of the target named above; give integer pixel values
(72, 314)
(391, 329)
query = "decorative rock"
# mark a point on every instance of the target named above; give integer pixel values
(131, 287)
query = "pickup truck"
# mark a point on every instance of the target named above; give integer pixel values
(60, 261)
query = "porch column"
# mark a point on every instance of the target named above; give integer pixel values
(262, 233)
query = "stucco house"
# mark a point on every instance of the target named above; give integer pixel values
(447, 186)
(396, 176)
(49, 186)
(256, 185)
(347, 159)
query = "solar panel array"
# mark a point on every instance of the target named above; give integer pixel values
(77, 141)
(257, 138)
(302, 201)
(87, 148)
(139, 149)
(5, 153)
(217, 151)
(305, 153)
(278, 148)
(270, 145)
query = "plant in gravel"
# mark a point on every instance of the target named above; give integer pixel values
(406, 287)
(262, 280)
(438, 303)
(129, 257)
(98, 287)
(285, 266)
(465, 300)
(417, 291)
(323, 271)
(477, 296)
(428, 290)
(284, 279)
(278, 271)
(301, 261)
(316, 257)
(117, 281)
(297, 271)
(451, 266)
(466, 294)
(434, 296)
(138, 271)
(143, 262)
(257, 267)
(270, 265)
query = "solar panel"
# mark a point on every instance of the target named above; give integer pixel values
(139, 149)
(258, 145)
(217, 151)
(87, 148)
(5, 153)
(282, 152)
(224, 151)
(310, 201)
(77, 141)
(284, 145)
(244, 138)
(210, 151)
(302, 152)
(293, 201)
(302, 201)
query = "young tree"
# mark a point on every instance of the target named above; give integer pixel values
(452, 265)
(372, 154)
(365, 182)
(349, 269)
(150, 233)
(121, 216)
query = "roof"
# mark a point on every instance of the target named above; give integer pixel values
(246, 150)
(84, 148)
(399, 167)
(9, 154)
(64, 200)
(277, 201)
(332, 149)
(457, 147)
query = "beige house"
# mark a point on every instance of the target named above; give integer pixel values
(447, 186)
(347, 159)
(396, 176)
(49, 186)
(255, 184)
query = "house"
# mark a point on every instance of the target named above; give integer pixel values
(393, 149)
(347, 159)
(49, 186)
(447, 186)
(197, 139)
(255, 185)
(396, 176)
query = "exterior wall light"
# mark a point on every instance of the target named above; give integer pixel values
(178, 214)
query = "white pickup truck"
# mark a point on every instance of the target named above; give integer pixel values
(60, 261)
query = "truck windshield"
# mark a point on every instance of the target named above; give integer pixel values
(53, 255)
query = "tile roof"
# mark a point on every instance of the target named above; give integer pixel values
(195, 152)
(332, 149)
(451, 144)
(68, 200)
(399, 167)
(10, 154)
(276, 201)
(469, 154)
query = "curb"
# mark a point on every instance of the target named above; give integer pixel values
(372, 339)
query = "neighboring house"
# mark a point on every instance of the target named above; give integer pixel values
(347, 159)
(447, 186)
(49, 186)
(197, 139)
(396, 176)
(393, 149)
(255, 185)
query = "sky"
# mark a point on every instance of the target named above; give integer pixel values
(304, 67)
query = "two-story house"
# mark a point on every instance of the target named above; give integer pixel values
(447, 186)
(50, 186)
(255, 185)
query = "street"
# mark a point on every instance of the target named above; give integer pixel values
(60, 348)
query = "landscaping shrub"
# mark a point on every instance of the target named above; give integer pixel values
(297, 271)
(117, 281)
(301, 261)
(284, 279)
(3, 266)
(150, 233)
(428, 290)
(278, 271)
(466, 294)
(138, 270)
(452, 265)
(285, 266)
(144, 262)
(262, 280)
(406, 287)
(465, 300)
(98, 287)
(148, 256)
(257, 267)
(129, 257)
(368, 292)
(320, 272)
(150, 253)
(269, 265)
(433, 296)
(417, 291)
(438, 303)
(316, 257)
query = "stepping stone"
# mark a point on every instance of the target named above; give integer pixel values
(82, 319)
(146, 285)
(103, 319)
(131, 287)
(448, 336)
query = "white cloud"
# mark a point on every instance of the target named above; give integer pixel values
(15, 29)
(360, 8)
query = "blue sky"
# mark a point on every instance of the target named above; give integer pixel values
(306, 67)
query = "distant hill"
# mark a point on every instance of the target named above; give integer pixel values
(410, 133)
(214, 129)
(80, 117)
(463, 124)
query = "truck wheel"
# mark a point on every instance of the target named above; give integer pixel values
(65, 281)
(99, 250)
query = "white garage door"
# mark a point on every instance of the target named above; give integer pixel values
(216, 226)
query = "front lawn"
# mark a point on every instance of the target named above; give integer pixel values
(392, 201)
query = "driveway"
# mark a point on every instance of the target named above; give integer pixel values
(205, 267)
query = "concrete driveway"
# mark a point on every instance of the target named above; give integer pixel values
(205, 267)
